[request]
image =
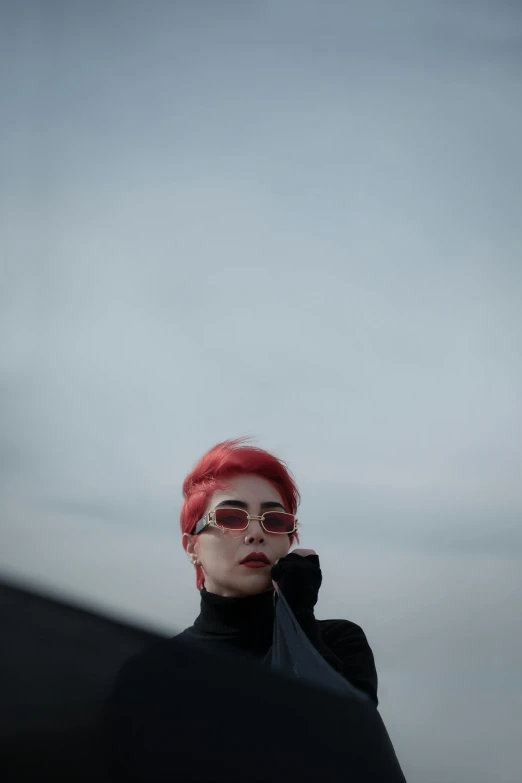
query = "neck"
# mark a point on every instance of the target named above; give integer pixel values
(209, 589)
(236, 616)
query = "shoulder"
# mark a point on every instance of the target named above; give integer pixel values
(346, 638)
(348, 642)
(342, 629)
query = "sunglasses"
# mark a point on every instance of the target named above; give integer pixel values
(278, 522)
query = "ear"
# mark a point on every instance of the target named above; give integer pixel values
(189, 544)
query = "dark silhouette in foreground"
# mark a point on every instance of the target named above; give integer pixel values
(176, 713)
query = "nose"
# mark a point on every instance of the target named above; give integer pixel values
(255, 533)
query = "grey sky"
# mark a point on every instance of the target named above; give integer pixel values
(301, 221)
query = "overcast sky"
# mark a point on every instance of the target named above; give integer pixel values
(296, 220)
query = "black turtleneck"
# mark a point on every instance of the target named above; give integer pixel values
(246, 624)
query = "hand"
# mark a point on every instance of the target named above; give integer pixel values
(304, 552)
(299, 577)
(301, 553)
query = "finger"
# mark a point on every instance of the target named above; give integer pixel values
(304, 552)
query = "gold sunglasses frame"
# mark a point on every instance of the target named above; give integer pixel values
(209, 519)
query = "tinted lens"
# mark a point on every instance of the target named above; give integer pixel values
(231, 518)
(278, 522)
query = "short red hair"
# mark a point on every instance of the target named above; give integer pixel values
(227, 459)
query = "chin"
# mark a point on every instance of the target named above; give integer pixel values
(255, 584)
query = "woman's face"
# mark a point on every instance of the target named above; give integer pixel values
(220, 554)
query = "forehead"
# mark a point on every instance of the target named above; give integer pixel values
(251, 489)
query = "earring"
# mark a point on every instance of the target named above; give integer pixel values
(196, 562)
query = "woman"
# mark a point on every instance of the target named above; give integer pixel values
(238, 524)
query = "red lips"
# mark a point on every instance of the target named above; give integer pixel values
(258, 557)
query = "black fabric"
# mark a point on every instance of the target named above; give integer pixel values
(245, 626)
(180, 712)
(342, 644)
(292, 654)
(57, 668)
(177, 711)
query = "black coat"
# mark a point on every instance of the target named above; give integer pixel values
(201, 706)
(181, 713)
(177, 711)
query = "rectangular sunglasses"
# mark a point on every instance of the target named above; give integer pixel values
(278, 522)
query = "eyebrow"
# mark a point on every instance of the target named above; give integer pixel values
(268, 504)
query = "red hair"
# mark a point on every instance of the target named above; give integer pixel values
(227, 459)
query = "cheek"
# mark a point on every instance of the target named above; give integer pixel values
(216, 549)
(282, 546)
